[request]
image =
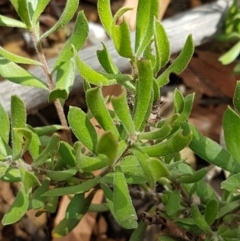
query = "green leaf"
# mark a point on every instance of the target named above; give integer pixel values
(146, 12)
(35, 146)
(96, 104)
(228, 208)
(162, 46)
(89, 74)
(66, 152)
(195, 177)
(61, 175)
(5, 126)
(107, 140)
(9, 22)
(143, 94)
(179, 64)
(188, 103)
(105, 15)
(89, 164)
(211, 151)
(231, 54)
(16, 74)
(199, 219)
(122, 203)
(51, 205)
(41, 5)
(143, 158)
(162, 132)
(106, 61)
(121, 109)
(77, 39)
(178, 101)
(18, 113)
(12, 175)
(121, 35)
(3, 168)
(64, 81)
(139, 233)
(231, 127)
(132, 170)
(157, 168)
(211, 211)
(38, 200)
(16, 58)
(232, 184)
(5, 150)
(174, 144)
(83, 128)
(29, 180)
(172, 204)
(22, 8)
(76, 210)
(236, 97)
(21, 140)
(69, 11)
(50, 150)
(205, 192)
(46, 130)
(80, 188)
(18, 208)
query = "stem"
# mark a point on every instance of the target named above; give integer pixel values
(57, 103)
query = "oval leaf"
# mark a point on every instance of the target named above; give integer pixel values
(231, 127)
(162, 46)
(106, 61)
(69, 11)
(16, 74)
(121, 37)
(123, 112)
(180, 62)
(146, 12)
(211, 151)
(107, 140)
(96, 104)
(77, 39)
(83, 128)
(90, 74)
(18, 113)
(18, 208)
(211, 211)
(76, 210)
(37, 200)
(49, 151)
(80, 188)
(199, 219)
(143, 94)
(125, 213)
(5, 126)
(105, 15)
(9, 22)
(174, 144)
(16, 58)
(66, 152)
(64, 81)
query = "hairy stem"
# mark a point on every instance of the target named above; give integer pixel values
(57, 103)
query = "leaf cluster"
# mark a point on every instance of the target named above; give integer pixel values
(232, 34)
(137, 148)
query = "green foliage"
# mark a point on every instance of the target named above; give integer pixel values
(232, 33)
(132, 149)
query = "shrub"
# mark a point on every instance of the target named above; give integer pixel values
(137, 147)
